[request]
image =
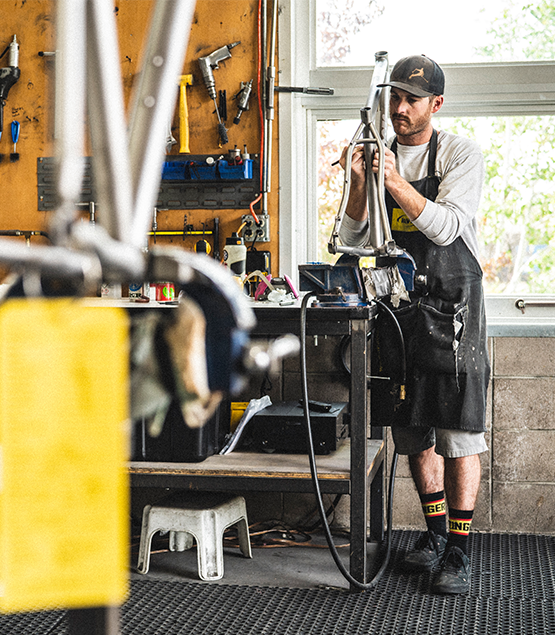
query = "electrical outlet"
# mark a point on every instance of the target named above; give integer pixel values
(251, 230)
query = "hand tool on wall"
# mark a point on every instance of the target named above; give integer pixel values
(8, 76)
(16, 127)
(170, 139)
(186, 80)
(208, 64)
(242, 98)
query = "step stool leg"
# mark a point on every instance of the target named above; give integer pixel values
(143, 561)
(210, 550)
(180, 540)
(244, 538)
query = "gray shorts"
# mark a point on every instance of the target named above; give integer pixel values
(449, 443)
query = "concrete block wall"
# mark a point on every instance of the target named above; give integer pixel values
(517, 492)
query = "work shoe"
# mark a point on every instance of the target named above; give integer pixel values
(427, 552)
(454, 575)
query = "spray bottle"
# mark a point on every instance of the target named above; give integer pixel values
(8, 76)
(235, 255)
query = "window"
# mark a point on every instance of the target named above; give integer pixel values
(449, 32)
(517, 213)
(511, 91)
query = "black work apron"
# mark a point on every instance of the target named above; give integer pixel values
(444, 329)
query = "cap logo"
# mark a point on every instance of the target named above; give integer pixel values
(418, 72)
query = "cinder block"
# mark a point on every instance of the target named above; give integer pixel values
(524, 455)
(525, 403)
(321, 387)
(482, 520)
(524, 356)
(299, 508)
(524, 507)
(407, 511)
(274, 389)
(322, 351)
(263, 506)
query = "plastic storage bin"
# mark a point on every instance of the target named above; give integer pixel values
(202, 171)
(174, 170)
(241, 171)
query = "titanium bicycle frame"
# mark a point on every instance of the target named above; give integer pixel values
(370, 134)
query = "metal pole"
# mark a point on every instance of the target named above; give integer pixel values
(108, 126)
(359, 451)
(270, 86)
(154, 100)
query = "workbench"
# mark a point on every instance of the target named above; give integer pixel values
(356, 468)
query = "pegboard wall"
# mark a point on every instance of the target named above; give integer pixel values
(31, 102)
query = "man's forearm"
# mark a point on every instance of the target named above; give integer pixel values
(408, 199)
(357, 204)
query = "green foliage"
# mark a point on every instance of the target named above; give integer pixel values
(338, 21)
(516, 220)
(523, 31)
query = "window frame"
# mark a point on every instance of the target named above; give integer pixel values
(485, 89)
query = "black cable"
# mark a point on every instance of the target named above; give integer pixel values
(384, 306)
(312, 460)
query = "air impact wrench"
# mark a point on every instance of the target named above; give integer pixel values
(207, 64)
(8, 76)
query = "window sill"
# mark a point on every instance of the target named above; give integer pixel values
(504, 319)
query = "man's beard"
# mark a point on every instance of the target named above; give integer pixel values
(404, 127)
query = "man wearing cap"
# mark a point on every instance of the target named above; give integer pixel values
(433, 183)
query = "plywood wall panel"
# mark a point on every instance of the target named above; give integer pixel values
(31, 100)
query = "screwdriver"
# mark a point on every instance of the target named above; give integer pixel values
(16, 127)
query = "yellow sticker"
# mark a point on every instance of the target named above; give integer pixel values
(400, 222)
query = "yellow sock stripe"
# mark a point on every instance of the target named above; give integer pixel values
(459, 526)
(435, 508)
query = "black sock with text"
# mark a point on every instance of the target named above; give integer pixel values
(459, 528)
(433, 506)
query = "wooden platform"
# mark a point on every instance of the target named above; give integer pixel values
(258, 472)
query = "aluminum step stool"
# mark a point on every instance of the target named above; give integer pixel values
(202, 515)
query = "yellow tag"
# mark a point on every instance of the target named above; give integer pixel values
(400, 222)
(64, 443)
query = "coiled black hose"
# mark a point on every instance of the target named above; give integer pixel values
(363, 586)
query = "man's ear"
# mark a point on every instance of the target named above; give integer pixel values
(437, 103)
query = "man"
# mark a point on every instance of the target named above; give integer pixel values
(433, 185)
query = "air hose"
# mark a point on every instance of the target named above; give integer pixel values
(363, 586)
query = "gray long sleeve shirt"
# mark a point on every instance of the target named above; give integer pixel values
(460, 167)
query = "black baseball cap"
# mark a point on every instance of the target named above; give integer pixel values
(418, 75)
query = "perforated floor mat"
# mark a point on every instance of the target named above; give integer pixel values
(512, 591)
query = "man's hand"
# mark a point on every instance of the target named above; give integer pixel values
(356, 206)
(390, 170)
(408, 199)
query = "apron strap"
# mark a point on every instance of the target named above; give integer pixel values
(432, 153)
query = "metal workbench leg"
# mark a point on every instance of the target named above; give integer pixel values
(377, 488)
(359, 452)
(102, 620)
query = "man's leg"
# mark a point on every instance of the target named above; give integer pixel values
(427, 472)
(462, 482)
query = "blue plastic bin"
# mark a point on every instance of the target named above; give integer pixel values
(242, 171)
(202, 172)
(173, 170)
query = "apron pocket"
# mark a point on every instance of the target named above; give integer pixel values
(440, 340)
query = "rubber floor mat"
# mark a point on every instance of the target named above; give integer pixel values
(512, 591)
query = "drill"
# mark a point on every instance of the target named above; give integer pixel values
(207, 64)
(8, 76)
